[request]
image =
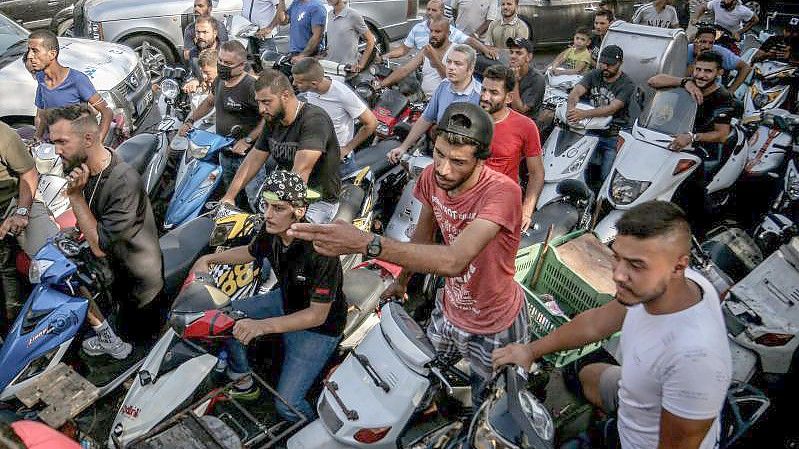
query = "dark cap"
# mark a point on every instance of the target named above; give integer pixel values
(612, 54)
(520, 42)
(468, 120)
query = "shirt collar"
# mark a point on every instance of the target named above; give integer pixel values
(344, 12)
(512, 21)
(473, 87)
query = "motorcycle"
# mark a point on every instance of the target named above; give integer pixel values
(396, 108)
(405, 212)
(770, 86)
(558, 87)
(645, 169)
(177, 366)
(568, 150)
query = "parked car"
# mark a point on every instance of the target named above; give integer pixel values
(546, 17)
(154, 28)
(33, 14)
(115, 71)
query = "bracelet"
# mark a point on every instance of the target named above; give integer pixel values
(684, 81)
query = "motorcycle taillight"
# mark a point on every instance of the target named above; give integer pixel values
(214, 323)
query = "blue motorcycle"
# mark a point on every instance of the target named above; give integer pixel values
(199, 174)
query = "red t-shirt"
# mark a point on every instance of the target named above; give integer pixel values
(484, 299)
(515, 137)
(36, 435)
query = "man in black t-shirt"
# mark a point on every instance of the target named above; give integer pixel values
(308, 307)
(234, 104)
(783, 48)
(299, 137)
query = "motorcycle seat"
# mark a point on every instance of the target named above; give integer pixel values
(375, 158)
(182, 247)
(138, 150)
(561, 215)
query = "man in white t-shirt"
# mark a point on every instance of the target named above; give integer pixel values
(675, 358)
(474, 16)
(730, 14)
(341, 103)
(263, 13)
(658, 13)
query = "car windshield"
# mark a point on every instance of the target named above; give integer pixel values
(13, 41)
(670, 112)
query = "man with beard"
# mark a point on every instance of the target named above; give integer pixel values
(783, 48)
(609, 91)
(730, 15)
(515, 137)
(300, 137)
(476, 209)
(675, 359)
(205, 37)
(202, 8)
(114, 215)
(705, 40)
(510, 26)
(530, 83)
(60, 86)
(602, 21)
(460, 86)
(234, 103)
(711, 129)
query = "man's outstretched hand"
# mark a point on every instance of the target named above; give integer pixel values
(332, 239)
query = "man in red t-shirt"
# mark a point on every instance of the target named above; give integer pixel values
(477, 211)
(515, 137)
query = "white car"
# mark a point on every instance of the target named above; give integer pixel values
(114, 69)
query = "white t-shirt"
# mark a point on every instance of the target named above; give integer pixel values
(430, 77)
(343, 106)
(472, 13)
(730, 20)
(679, 362)
(260, 12)
(649, 15)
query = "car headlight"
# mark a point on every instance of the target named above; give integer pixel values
(539, 417)
(624, 191)
(96, 31)
(792, 182)
(169, 88)
(198, 151)
(37, 269)
(109, 99)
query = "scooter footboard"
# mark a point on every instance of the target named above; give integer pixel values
(314, 436)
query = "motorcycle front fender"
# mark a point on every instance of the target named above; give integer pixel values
(606, 229)
(192, 193)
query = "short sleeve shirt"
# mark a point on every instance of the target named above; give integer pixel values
(515, 139)
(260, 12)
(500, 31)
(716, 108)
(729, 60)
(731, 20)
(484, 299)
(573, 57)
(311, 130)
(419, 36)
(304, 276)
(445, 96)
(76, 88)
(191, 46)
(531, 91)
(343, 106)
(649, 15)
(304, 15)
(235, 106)
(14, 161)
(343, 31)
(472, 13)
(602, 93)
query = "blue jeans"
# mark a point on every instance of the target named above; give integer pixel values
(601, 162)
(348, 165)
(230, 165)
(306, 354)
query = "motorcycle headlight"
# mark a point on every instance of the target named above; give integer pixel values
(169, 88)
(792, 182)
(624, 191)
(539, 417)
(483, 434)
(198, 151)
(37, 269)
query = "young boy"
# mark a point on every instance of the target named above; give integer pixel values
(575, 59)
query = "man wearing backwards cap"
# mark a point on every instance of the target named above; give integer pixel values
(476, 209)
(308, 307)
(609, 91)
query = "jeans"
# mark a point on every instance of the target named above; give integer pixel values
(306, 354)
(601, 162)
(230, 165)
(348, 165)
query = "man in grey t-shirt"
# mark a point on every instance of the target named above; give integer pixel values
(658, 13)
(344, 27)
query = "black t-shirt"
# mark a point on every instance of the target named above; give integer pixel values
(531, 91)
(304, 276)
(126, 231)
(311, 130)
(602, 93)
(718, 107)
(779, 43)
(236, 106)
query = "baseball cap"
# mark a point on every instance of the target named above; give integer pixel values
(281, 185)
(519, 42)
(612, 54)
(468, 120)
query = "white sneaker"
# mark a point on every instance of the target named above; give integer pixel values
(117, 349)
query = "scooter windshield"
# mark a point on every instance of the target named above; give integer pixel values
(670, 112)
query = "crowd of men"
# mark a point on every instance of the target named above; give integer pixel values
(486, 129)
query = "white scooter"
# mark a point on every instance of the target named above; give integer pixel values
(770, 86)
(403, 221)
(568, 150)
(770, 142)
(645, 169)
(558, 87)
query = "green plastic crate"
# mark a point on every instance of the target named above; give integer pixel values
(571, 292)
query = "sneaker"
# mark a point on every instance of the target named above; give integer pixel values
(117, 349)
(248, 394)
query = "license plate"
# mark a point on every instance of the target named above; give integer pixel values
(144, 102)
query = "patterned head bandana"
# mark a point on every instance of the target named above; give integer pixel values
(281, 185)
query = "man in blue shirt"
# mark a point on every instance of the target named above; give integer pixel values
(460, 86)
(60, 86)
(705, 41)
(306, 20)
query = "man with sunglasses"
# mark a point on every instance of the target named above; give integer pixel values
(234, 103)
(308, 306)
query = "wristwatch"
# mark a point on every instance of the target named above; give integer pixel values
(374, 248)
(249, 140)
(22, 211)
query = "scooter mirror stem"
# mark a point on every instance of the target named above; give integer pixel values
(443, 380)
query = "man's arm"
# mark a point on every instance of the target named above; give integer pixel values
(106, 115)
(27, 186)
(417, 131)
(304, 162)
(201, 111)
(535, 183)
(86, 222)
(370, 47)
(700, 11)
(233, 256)
(743, 71)
(397, 52)
(602, 111)
(403, 71)
(435, 61)
(664, 81)
(313, 42)
(681, 433)
(748, 25)
(574, 96)
(719, 135)
(482, 48)
(282, 13)
(252, 162)
(368, 127)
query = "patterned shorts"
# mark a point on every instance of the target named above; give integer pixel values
(452, 343)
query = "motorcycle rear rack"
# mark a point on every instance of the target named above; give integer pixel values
(239, 417)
